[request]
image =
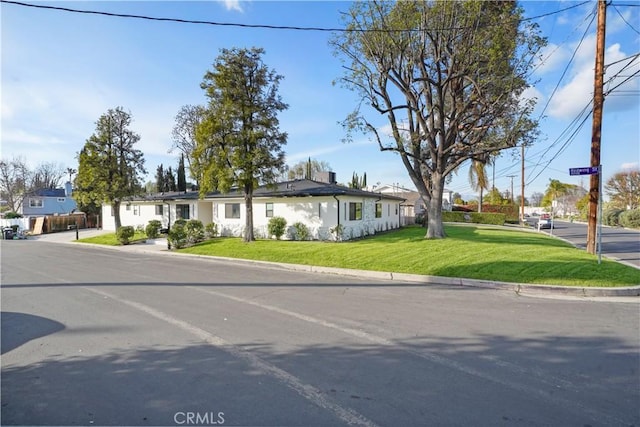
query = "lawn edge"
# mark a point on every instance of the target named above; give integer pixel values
(518, 288)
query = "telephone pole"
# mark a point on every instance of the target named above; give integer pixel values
(511, 176)
(522, 188)
(598, 101)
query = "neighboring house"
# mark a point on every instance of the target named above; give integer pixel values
(413, 205)
(49, 201)
(319, 205)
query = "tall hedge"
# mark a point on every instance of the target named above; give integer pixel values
(474, 217)
(630, 219)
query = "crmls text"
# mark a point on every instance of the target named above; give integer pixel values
(199, 418)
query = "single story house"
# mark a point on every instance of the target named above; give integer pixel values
(321, 206)
(49, 201)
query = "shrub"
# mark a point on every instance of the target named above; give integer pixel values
(12, 215)
(152, 230)
(301, 231)
(211, 230)
(277, 226)
(611, 217)
(338, 232)
(125, 233)
(474, 217)
(177, 236)
(630, 219)
(194, 231)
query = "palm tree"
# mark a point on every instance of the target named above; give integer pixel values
(70, 171)
(478, 175)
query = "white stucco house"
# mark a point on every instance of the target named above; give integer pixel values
(319, 205)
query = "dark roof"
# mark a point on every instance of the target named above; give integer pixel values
(295, 188)
(48, 192)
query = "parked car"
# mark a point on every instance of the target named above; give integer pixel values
(544, 221)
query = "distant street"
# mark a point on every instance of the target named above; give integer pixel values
(93, 336)
(620, 243)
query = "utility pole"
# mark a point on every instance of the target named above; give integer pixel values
(598, 101)
(511, 176)
(522, 188)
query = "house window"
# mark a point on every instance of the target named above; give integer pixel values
(378, 210)
(35, 203)
(355, 211)
(396, 209)
(127, 207)
(159, 209)
(182, 211)
(269, 211)
(319, 210)
(136, 210)
(232, 210)
(61, 199)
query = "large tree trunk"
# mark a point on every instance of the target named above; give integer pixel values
(435, 228)
(480, 203)
(248, 202)
(116, 214)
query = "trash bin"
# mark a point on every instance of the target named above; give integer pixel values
(7, 233)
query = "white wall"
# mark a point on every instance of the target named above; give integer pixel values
(319, 214)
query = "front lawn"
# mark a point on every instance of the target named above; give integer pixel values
(110, 239)
(474, 252)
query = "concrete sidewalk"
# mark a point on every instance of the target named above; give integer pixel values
(159, 246)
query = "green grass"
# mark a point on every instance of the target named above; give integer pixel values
(475, 252)
(110, 239)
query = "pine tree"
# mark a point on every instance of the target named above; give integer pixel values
(160, 187)
(182, 179)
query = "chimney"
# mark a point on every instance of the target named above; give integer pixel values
(67, 189)
(326, 177)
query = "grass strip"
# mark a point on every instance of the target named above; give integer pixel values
(474, 252)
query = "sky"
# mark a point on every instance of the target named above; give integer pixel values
(61, 71)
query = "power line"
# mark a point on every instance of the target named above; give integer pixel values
(625, 21)
(256, 26)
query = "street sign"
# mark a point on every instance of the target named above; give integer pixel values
(591, 170)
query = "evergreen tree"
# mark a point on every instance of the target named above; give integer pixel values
(110, 169)
(182, 178)
(170, 180)
(238, 143)
(160, 187)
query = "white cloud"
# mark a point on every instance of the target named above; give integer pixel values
(550, 58)
(296, 157)
(571, 98)
(630, 165)
(233, 5)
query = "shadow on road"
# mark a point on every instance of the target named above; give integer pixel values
(496, 379)
(20, 328)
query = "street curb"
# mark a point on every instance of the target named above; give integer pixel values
(518, 288)
(528, 289)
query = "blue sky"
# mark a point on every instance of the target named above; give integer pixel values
(61, 71)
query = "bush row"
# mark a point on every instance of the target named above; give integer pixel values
(474, 217)
(182, 232)
(630, 219)
(278, 226)
(619, 217)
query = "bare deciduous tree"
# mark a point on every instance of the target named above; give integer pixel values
(448, 76)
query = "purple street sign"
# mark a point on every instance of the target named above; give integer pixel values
(591, 170)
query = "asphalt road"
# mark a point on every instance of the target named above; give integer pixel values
(618, 243)
(93, 336)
